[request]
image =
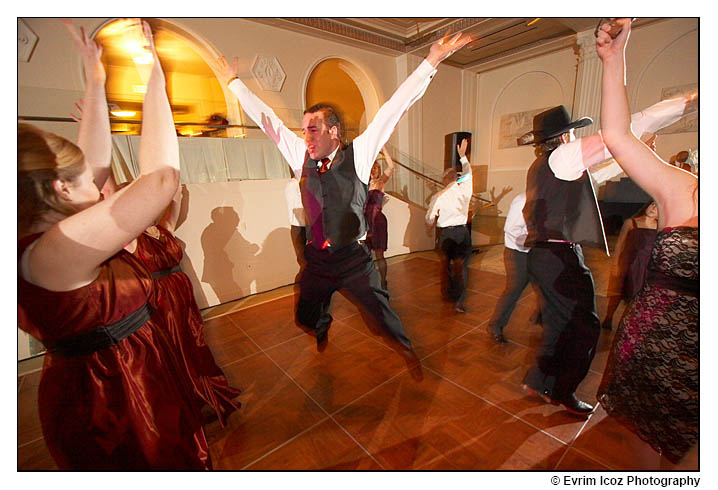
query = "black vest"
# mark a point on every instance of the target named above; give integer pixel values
(561, 210)
(333, 201)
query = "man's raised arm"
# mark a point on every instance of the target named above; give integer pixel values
(570, 160)
(377, 133)
(290, 145)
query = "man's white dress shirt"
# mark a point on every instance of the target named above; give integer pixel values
(451, 204)
(366, 146)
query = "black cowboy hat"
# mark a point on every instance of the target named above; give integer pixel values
(550, 123)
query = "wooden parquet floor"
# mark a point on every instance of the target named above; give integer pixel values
(357, 406)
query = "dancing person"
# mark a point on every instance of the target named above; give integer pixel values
(377, 232)
(112, 394)
(630, 259)
(333, 182)
(161, 253)
(449, 209)
(515, 261)
(561, 212)
(650, 383)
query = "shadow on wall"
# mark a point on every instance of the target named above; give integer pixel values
(416, 232)
(224, 249)
(186, 264)
(487, 220)
(273, 273)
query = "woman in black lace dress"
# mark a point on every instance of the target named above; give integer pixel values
(651, 380)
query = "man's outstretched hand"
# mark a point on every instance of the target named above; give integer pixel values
(446, 46)
(226, 71)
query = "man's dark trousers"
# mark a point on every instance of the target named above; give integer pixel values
(517, 278)
(350, 267)
(455, 242)
(571, 324)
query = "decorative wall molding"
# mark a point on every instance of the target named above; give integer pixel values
(328, 25)
(26, 41)
(268, 72)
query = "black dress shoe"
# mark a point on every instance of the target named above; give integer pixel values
(531, 392)
(575, 406)
(460, 308)
(322, 338)
(497, 337)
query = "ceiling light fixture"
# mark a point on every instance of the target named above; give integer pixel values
(123, 113)
(529, 24)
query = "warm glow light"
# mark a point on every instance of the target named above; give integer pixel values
(143, 59)
(123, 113)
(533, 21)
(132, 46)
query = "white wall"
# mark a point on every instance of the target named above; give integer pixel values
(236, 237)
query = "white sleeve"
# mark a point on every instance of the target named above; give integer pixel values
(566, 161)
(290, 145)
(433, 211)
(606, 171)
(368, 144)
(465, 165)
(658, 116)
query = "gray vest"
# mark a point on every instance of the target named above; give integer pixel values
(333, 201)
(561, 210)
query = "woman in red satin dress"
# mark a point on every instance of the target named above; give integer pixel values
(113, 394)
(161, 253)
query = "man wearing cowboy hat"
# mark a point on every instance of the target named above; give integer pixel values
(561, 212)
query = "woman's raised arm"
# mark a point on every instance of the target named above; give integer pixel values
(69, 254)
(670, 187)
(94, 138)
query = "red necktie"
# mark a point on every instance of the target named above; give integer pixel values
(325, 165)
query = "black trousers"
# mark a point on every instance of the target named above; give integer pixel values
(351, 268)
(571, 326)
(299, 239)
(517, 278)
(455, 242)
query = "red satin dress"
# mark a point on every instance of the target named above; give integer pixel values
(124, 407)
(181, 318)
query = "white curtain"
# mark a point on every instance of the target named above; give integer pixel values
(208, 159)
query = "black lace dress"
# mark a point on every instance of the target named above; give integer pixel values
(650, 383)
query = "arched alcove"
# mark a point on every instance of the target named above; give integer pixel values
(671, 71)
(341, 84)
(513, 111)
(195, 94)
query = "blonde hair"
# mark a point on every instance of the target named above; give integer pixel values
(43, 158)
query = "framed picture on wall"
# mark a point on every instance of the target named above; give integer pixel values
(514, 125)
(688, 124)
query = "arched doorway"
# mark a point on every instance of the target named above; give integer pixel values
(342, 85)
(195, 94)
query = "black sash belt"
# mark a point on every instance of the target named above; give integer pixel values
(166, 272)
(105, 336)
(679, 284)
(546, 244)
